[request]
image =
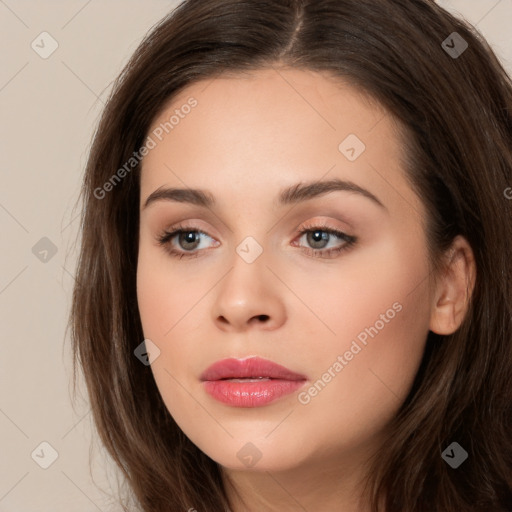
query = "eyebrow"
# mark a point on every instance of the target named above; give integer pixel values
(291, 195)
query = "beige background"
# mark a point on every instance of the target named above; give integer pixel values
(49, 108)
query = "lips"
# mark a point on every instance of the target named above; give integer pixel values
(251, 368)
(252, 382)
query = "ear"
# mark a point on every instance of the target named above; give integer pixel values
(454, 288)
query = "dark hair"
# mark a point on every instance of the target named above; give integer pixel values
(455, 111)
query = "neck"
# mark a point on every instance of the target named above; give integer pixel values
(321, 485)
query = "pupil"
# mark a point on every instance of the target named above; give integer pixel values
(319, 237)
(189, 238)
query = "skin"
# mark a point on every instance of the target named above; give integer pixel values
(248, 137)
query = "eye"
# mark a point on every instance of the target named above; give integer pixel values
(188, 240)
(318, 237)
(188, 237)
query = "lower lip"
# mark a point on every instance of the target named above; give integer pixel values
(250, 393)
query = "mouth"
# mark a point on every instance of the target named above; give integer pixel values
(251, 382)
(251, 379)
(252, 368)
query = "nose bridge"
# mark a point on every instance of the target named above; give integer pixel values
(249, 250)
(246, 292)
(247, 267)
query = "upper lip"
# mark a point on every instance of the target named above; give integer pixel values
(252, 367)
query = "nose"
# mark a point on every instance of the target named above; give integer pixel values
(249, 297)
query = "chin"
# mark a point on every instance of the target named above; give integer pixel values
(255, 453)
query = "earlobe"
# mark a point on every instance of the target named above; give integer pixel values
(454, 288)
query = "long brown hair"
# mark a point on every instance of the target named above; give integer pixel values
(456, 112)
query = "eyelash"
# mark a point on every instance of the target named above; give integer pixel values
(166, 237)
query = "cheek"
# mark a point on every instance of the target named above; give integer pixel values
(377, 296)
(379, 312)
(172, 311)
(372, 378)
(165, 294)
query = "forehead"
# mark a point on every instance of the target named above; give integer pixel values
(269, 128)
(279, 97)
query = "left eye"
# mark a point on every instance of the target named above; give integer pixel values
(318, 237)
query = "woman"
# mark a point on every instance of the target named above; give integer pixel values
(294, 289)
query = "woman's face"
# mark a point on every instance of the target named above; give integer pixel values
(347, 314)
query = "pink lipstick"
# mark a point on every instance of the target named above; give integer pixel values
(251, 382)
